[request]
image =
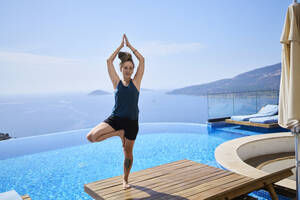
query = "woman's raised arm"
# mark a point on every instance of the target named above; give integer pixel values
(141, 67)
(110, 67)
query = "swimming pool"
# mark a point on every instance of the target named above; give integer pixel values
(56, 166)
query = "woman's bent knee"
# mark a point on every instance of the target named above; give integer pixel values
(90, 137)
(99, 130)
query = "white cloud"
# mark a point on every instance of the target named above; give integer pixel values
(158, 48)
(27, 58)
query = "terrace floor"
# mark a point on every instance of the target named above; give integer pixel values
(182, 179)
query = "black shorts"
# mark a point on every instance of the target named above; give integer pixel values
(131, 127)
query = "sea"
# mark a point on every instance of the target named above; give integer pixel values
(29, 115)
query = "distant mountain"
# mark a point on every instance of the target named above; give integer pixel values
(98, 92)
(4, 136)
(146, 90)
(265, 78)
(101, 92)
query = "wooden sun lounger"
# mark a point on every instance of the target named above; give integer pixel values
(26, 197)
(184, 179)
(247, 123)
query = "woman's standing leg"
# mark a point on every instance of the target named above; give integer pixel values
(127, 161)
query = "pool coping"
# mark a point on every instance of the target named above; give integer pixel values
(227, 156)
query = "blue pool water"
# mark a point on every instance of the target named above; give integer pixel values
(61, 173)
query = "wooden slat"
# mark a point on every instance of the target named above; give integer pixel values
(154, 191)
(158, 179)
(181, 180)
(160, 168)
(136, 177)
(174, 182)
(209, 186)
(171, 179)
(184, 191)
(207, 194)
(246, 123)
(255, 184)
(157, 176)
(183, 186)
(117, 181)
(143, 175)
(151, 171)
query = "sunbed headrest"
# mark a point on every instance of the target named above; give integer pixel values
(269, 109)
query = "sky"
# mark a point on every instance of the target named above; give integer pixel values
(60, 46)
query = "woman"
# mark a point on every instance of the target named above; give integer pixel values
(123, 121)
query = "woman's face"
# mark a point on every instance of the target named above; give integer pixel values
(127, 69)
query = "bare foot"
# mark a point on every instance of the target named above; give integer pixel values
(125, 185)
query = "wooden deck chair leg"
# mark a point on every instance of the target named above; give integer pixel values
(272, 192)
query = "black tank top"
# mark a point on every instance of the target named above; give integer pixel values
(126, 101)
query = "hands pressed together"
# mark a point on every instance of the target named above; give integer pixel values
(125, 40)
(123, 43)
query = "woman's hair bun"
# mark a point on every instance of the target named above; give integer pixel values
(124, 56)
